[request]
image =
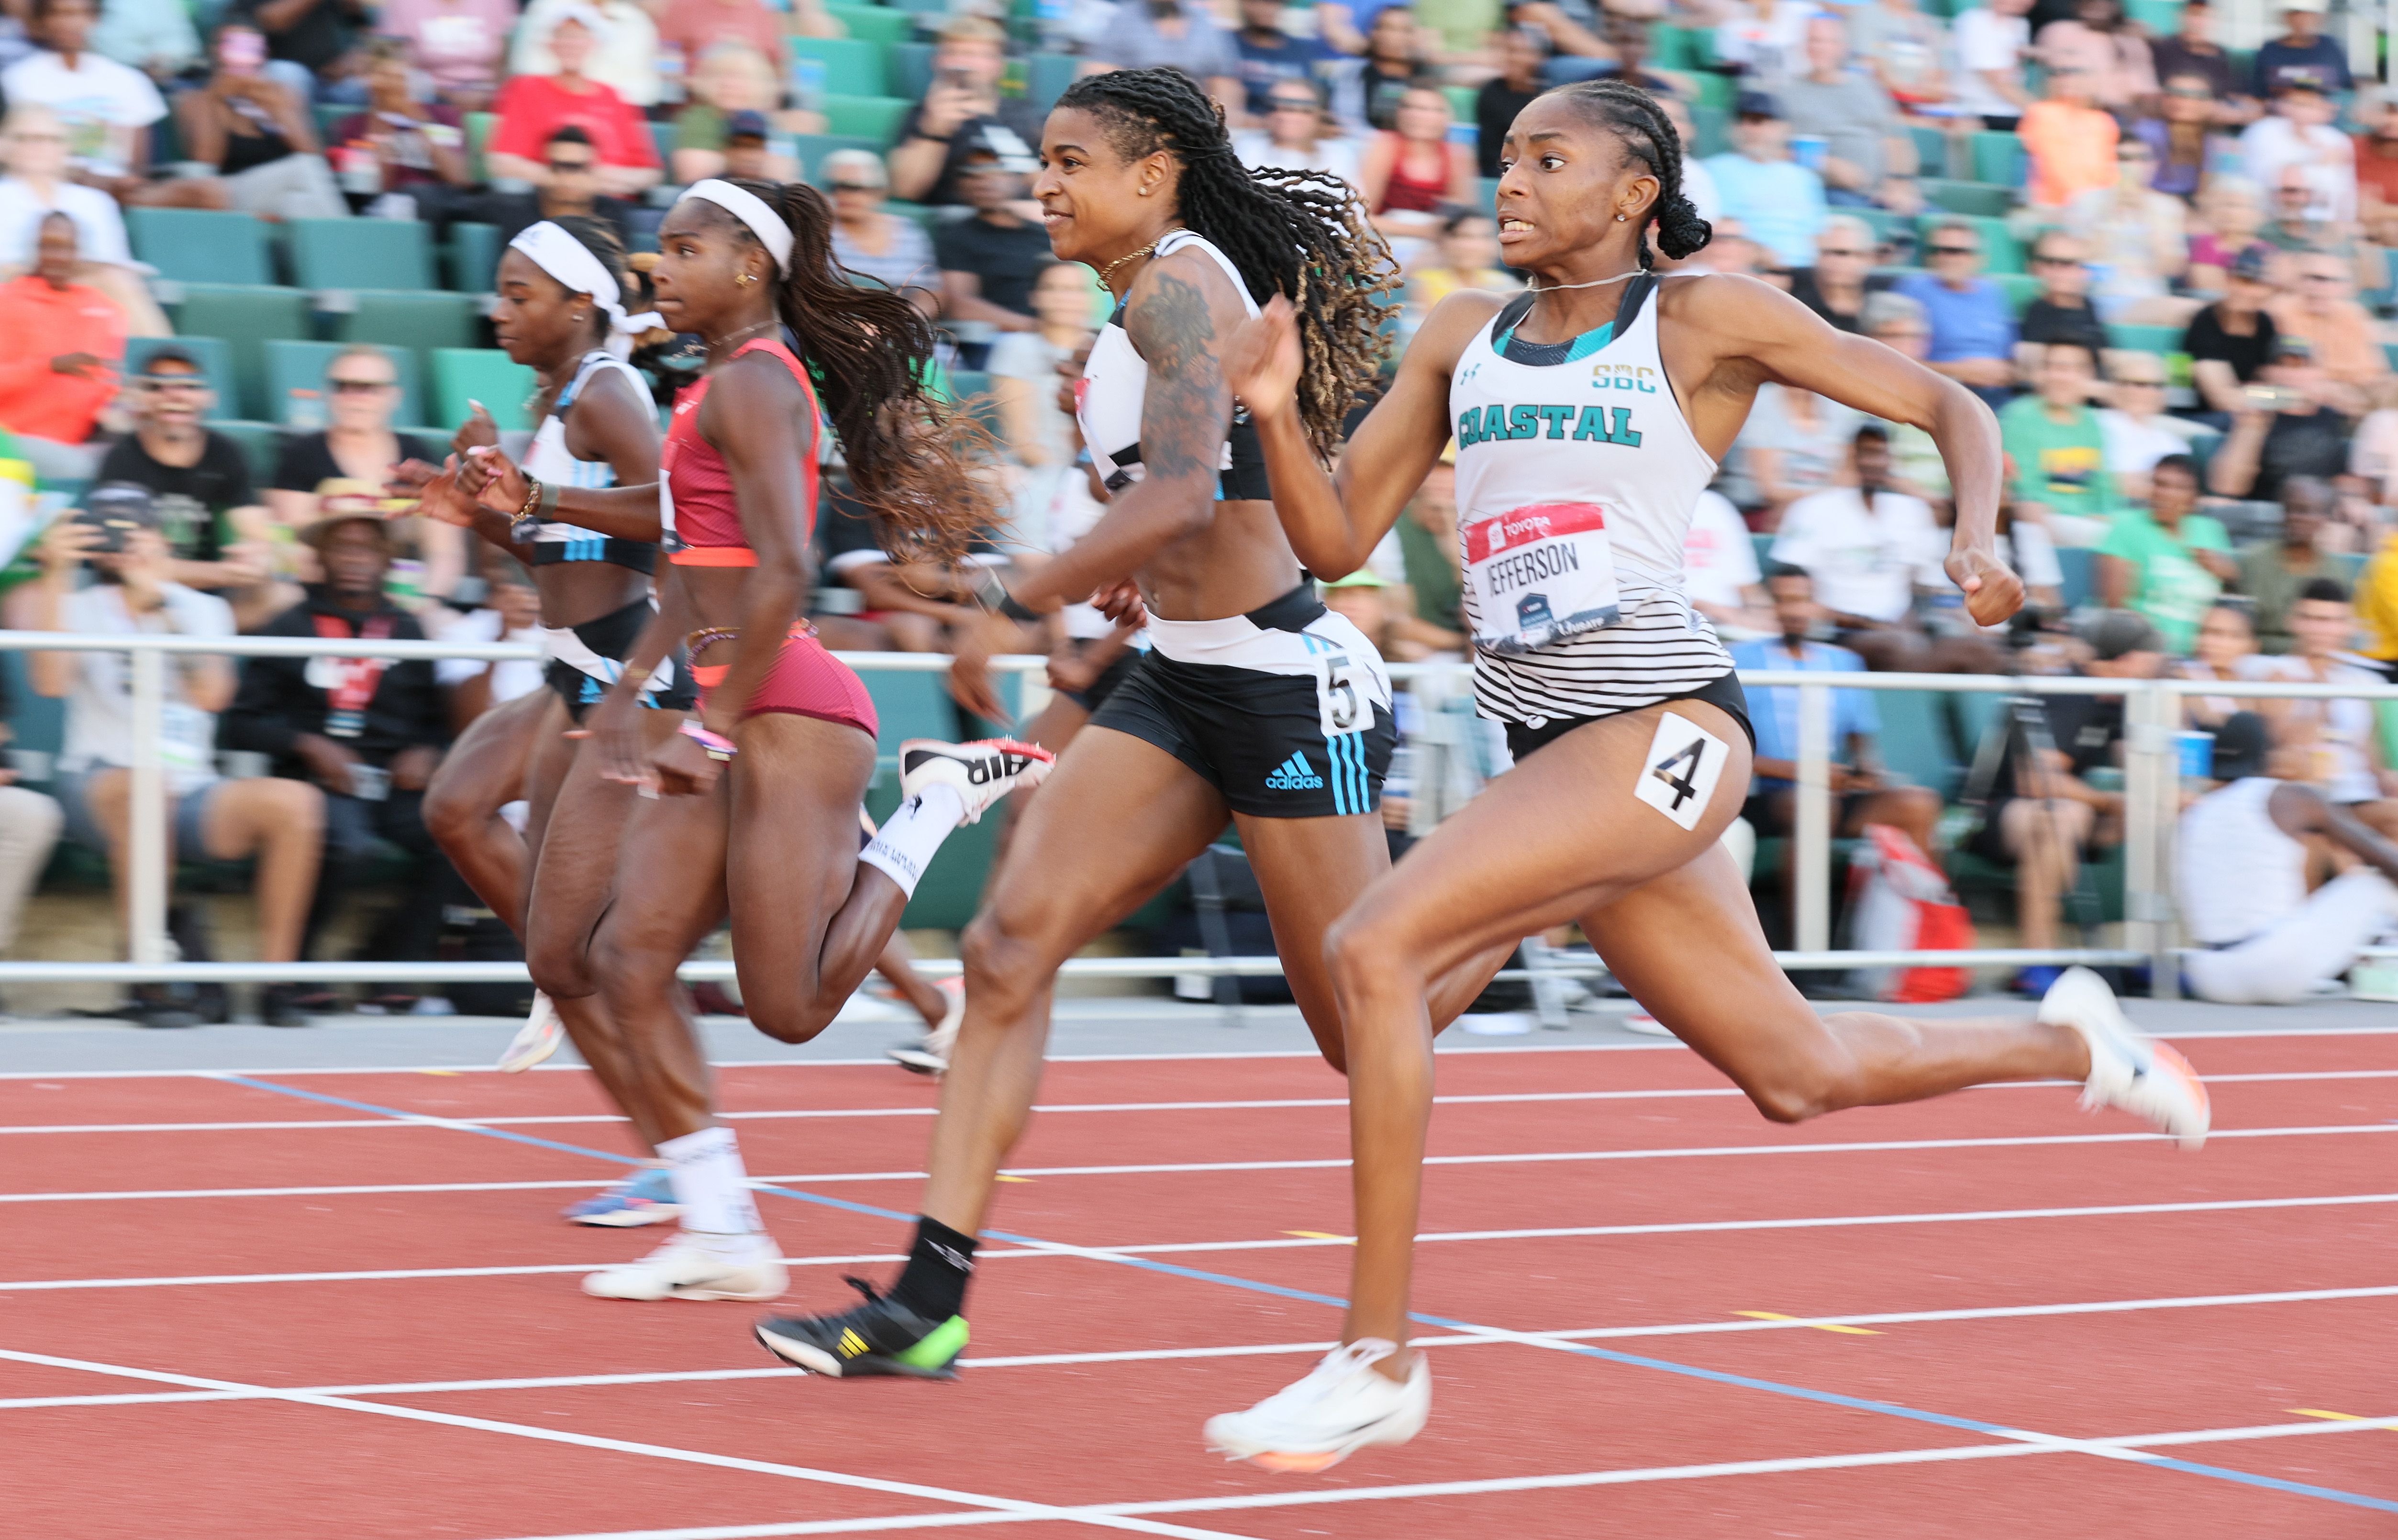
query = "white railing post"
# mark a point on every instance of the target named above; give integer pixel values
(1811, 924)
(146, 853)
(2149, 786)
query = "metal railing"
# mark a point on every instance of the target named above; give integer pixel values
(2153, 715)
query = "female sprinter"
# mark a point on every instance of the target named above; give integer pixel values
(1588, 416)
(1253, 701)
(762, 787)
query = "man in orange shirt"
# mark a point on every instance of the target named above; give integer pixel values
(2072, 143)
(59, 344)
(2322, 308)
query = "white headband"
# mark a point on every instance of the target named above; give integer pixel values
(571, 262)
(751, 210)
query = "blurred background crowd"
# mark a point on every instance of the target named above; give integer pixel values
(248, 248)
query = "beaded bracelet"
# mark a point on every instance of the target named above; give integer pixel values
(719, 747)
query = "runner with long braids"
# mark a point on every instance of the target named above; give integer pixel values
(1253, 702)
(753, 802)
(1588, 416)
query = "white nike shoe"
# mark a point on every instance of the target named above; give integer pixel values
(697, 1266)
(536, 1040)
(932, 1055)
(2128, 1069)
(1342, 1406)
(982, 771)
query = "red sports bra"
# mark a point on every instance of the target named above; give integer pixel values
(702, 523)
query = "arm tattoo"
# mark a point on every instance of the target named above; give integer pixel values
(1188, 407)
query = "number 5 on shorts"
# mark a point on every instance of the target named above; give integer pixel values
(1679, 775)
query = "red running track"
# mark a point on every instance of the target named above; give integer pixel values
(232, 1310)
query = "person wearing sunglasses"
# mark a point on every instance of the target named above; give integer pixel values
(2179, 136)
(1297, 135)
(2136, 430)
(868, 239)
(1973, 326)
(571, 187)
(1834, 287)
(357, 446)
(2322, 307)
(2061, 311)
(532, 109)
(2193, 51)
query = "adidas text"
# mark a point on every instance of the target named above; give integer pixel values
(1293, 775)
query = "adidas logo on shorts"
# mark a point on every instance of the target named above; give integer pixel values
(1293, 775)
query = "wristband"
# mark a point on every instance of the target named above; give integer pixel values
(993, 595)
(549, 500)
(719, 747)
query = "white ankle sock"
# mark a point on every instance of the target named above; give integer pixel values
(914, 835)
(711, 1184)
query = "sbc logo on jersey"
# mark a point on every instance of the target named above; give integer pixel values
(1293, 775)
(1638, 377)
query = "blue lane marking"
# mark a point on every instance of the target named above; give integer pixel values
(1635, 1360)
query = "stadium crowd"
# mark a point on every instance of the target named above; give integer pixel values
(2165, 263)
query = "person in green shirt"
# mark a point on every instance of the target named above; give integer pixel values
(2274, 572)
(2167, 562)
(2059, 452)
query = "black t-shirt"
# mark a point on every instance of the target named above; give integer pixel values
(2207, 339)
(307, 460)
(2313, 444)
(1006, 258)
(316, 38)
(1803, 289)
(2044, 321)
(2084, 728)
(1495, 106)
(192, 499)
(1012, 134)
(2175, 57)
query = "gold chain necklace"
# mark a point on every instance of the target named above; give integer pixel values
(1148, 251)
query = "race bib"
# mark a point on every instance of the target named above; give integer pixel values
(1540, 574)
(1343, 701)
(1678, 777)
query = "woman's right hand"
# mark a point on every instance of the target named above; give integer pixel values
(1262, 361)
(614, 729)
(489, 477)
(478, 431)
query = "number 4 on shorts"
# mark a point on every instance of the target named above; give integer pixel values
(1679, 775)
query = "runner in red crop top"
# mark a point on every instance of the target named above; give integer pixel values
(703, 525)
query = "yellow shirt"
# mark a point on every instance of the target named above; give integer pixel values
(2376, 601)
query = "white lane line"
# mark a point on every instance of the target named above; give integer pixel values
(558, 1120)
(585, 1185)
(1023, 1511)
(1053, 1360)
(35, 1286)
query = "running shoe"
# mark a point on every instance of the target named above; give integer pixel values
(932, 1055)
(696, 1267)
(881, 1337)
(1343, 1405)
(2128, 1069)
(536, 1040)
(982, 771)
(645, 1197)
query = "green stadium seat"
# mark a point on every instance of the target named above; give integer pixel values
(2021, 287)
(463, 375)
(2161, 17)
(813, 148)
(1488, 189)
(874, 23)
(359, 253)
(2001, 158)
(2160, 340)
(472, 256)
(295, 372)
(1717, 90)
(874, 117)
(1048, 76)
(215, 356)
(1672, 47)
(662, 141)
(1931, 150)
(478, 133)
(201, 245)
(908, 69)
(262, 444)
(1711, 129)
(1461, 103)
(418, 318)
(1981, 199)
(854, 65)
(246, 316)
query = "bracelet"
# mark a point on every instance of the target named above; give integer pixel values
(993, 595)
(719, 747)
(526, 521)
(930, 138)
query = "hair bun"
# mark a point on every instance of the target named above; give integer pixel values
(1680, 232)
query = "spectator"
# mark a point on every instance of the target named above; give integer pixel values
(2060, 454)
(1865, 547)
(732, 81)
(257, 136)
(216, 532)
(2302, 52)
(2347, 346)
(962, 112)
(2341, 738)
(2181, 138)
(358, 447)
(1837, 284)
(2167, 562)
(2274, 573)
(2232, 211)
(746, 156)
(1628, 37)
(1409, 170)
(2193, 53)
(870, 239)
(1519, 53)
(1269, 56)
(2095, 38)
(1368, 95)
(1564, 31)
(1172, 35)
(419, 147)
(2137, 432)
(1993, 41)
(571, 187)
(1298, 136)
(1429, 557)
(2137, 239)
(1719, 571)
(1898, 322)
(457, 42)
(2299, 132)
(1869, 157)
(2229, 342)
(154, 37)
(2225, 653)
(1698, 184)
(1905, 50)
(1025, 367)
(988, 261)
(1973, 327)
(2376, 605)
(2060, 312)
(2070, 141)
(510, 612)
(1864, 794)
(60, 344)
(104, 107)
(366, 732)
(692, 27)
(626, 60)
(2377, 173)
(37, 185)
(1763, 41)
(532, 109)
(1777, 200)
(307, 40)
(2282, 428)
(1794, 443)
(1469, 259)
(133, 592)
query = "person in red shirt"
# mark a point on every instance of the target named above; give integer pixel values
(2377, 174)
(695, 26)
(534, 107)
(59, 344)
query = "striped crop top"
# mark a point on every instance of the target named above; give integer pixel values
(703, 522)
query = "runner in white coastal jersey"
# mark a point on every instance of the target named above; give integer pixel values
(1588, 417)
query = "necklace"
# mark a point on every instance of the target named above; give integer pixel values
(745, 332)
(1595, 283)
(1148, 251)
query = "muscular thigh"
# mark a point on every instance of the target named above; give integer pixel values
(793, 840)
(579, 837)
(666, 888)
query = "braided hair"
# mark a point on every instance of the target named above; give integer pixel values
(1649, 137)
(1298, 234)
(869, 352)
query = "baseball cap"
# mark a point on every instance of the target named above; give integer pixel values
(2111, 633)
(745, 124)
(1756, 104)
(2318, 7)
(2250, 262)
(2240, 744)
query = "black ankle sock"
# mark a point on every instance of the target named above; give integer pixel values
(938, 1264)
